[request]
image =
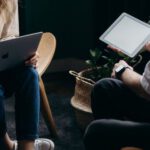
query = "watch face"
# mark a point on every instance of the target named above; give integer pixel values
(119, 68)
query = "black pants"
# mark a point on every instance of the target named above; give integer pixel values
(122, 118)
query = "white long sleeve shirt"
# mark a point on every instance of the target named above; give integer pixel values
(10, 27)
(145, 79)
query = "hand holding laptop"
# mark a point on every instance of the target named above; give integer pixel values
(33, 60)
(19, 50)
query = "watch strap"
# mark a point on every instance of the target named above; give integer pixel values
(118, 74)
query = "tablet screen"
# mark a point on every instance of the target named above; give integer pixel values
(128, 34)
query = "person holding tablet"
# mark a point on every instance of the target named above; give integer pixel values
(24, 82)
(121, 108)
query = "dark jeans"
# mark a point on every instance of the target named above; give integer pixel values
(122, 118)
(24, 83)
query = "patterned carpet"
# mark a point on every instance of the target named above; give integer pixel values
(59, 93)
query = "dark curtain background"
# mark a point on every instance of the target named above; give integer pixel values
(77, 24)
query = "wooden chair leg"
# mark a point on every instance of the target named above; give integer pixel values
(131, 148)
(46, 110)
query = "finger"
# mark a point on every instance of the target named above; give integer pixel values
(113, 48)
(34, 57)
(30, 62)
(147, 46)
(34, 61)
(113, 75)
(122, 61)
(116, 65)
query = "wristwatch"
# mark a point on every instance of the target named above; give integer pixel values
(119, 70)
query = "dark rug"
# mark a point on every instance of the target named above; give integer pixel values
(70, 135)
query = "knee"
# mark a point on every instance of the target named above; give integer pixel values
(94, 132)
(101, 127)
(30, 73)
(103, 84)
(103, 87)
(88, 136)
(89, 131)
(100, 89)
(96, 127)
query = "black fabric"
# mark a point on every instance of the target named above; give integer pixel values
(113, 134)
(122, 117)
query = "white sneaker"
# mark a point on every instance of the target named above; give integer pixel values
(44, 144)
(15, 145)
(40, 144)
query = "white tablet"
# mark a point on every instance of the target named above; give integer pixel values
(15, 51)
(128, 34)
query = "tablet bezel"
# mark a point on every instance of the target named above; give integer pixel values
(136, 51)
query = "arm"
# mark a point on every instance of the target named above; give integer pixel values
(11, 27)
(132, 79)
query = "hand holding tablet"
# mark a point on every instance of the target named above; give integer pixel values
(127, 34)
(113, 48)
(147, 46)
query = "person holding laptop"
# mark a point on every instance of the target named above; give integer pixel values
(121, 108)
(24, 82)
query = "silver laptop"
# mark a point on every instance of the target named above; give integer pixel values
(15, 51)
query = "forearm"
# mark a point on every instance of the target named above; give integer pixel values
(132, 80)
